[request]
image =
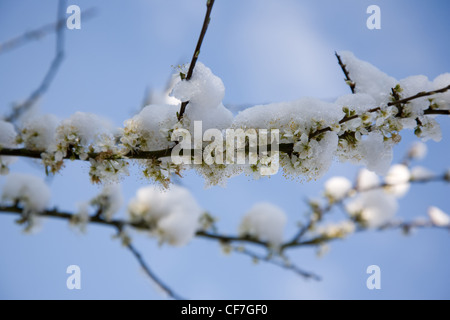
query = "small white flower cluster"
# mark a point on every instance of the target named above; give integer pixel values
(264, 222)
(107, 203)
(438, 217)
(30, 193)
(371, 202)
(337, 230)
(172, 215)
(361, 128)
(8, 137)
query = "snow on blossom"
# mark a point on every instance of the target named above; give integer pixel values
(7, 140)
(417, 151)
(358, 102)
(368, 78)
(265, 222)
(109, 200)
(374, 208)
(337, 187)
(438, 217)
(367, 180)
(205, 92)
(79, 133)
(397, 180)
(149, 129)
(442, 100)
(337, 230)
(419, 173)
(7, 135)
(173, 214)
(39, 132)
(29, 191)
(296, 120)
(411, 86)
(376, 153)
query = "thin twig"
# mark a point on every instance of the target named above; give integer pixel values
(348, 80)
(209, 6)
(285, 265)
(152, 276)
(19, 109)
(41, 32)
(419, 95)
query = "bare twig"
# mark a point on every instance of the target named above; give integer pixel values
(297, 239)
(151, 275)
(419, 95)
(209, 6)
(283, 264)
(19, 109)
(348, 80)
(41, 32)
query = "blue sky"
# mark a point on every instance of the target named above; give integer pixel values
(264, 51)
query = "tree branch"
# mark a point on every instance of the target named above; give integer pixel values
(41, 32)
(19, 109)
(296, 240)
(156, 154)
(285, 265)
(151, 275)
(419, 95)
(348, 80)
(209, 6)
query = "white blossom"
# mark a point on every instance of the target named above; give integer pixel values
(397, 180)
(438, 217)
(265, 222)
(29, 191)
(337, 187)
(173, 214)
(374, 208)
(418, 151)
(420, 173)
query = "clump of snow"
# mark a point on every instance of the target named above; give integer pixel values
(397, 180)
(376, 153)
(296, 120)
(304, 115)
(29, 191)
(109, 200)
(149, 129)
(358, 102)
(417, 151)
(442, 99)
(79, 133)
(264, 222)
(205, 92)
(8, 137)
(367, 180)
(368, 79)
(204, 89)
(337, 188)
(375, 208)
(39, 132)
(410, 87)
(438, 217)
(420, 173)
(173, 214)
